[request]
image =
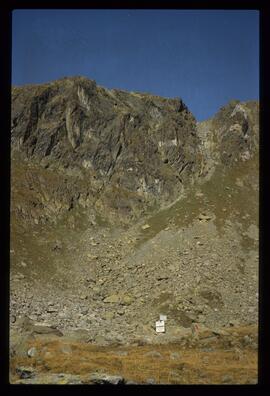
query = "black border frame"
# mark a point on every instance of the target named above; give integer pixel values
(5, 100)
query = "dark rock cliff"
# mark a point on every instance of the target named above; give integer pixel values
(114, 153)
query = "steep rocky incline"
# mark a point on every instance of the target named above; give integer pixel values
(130, 150)
(123, 207)
(196, 261)
(231, 136)
(109, 151)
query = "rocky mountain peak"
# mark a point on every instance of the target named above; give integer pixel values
(134, 150)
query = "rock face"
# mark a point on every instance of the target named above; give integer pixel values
(231, 136)
(129, 150)
(86, 164)
(113, 151)
(103, 379)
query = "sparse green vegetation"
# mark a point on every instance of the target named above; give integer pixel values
(124, 208)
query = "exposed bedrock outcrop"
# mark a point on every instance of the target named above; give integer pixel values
(115, 152)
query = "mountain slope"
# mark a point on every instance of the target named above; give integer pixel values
(132, 150)
(123, 207)
(113, 153)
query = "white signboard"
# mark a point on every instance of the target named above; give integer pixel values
(160, 326)
(163, 317)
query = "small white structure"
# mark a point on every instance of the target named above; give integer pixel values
(163, 317)
(160, 326)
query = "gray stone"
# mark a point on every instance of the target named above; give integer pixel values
(150, 381)
(121, 353)
(220, 332)
(112, 299)
(51, 309)
(126, 300)
(105, 379)
(145, 226)
(162, 276)
(44, 329)
(32, 352)
(234, 322)
(227, 379)
(207, 349)
(13, 318)
(253, 232)
(204, 217)
(108, 315)
(25, 372)
(175, 355)
(247, 340)
(57, 245)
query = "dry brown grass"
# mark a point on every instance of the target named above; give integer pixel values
(192, 366)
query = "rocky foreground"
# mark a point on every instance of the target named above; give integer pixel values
(228, 356)
(125, 208)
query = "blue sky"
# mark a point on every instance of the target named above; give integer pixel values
(206, 57)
